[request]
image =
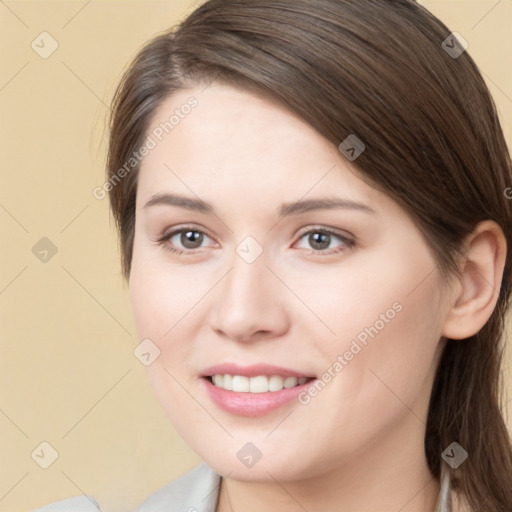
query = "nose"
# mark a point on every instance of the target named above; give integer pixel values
(251, 303)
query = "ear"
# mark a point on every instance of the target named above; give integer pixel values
(476, 291)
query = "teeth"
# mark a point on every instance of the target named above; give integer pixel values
(260, 384)
(218, 380)
(290, 382)
(275, 383)
(228, 382)
(240, 383)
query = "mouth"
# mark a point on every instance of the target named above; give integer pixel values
(258, 384)
(253, 390)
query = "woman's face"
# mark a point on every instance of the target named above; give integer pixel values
(279, 284)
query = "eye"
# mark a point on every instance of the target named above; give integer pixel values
(321, 239)
(189, 238)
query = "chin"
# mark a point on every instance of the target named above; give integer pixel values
(266, 469)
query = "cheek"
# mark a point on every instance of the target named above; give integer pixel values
(163, 297)
(159, 303)
(387, 317)
(168, 308)
(388, 347)
(382, 364)
(404, 361)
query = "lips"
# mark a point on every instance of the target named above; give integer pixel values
(252, 371)
(253, 390)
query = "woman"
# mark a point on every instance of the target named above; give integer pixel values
(315, 226)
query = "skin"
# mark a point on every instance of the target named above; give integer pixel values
(358, 445)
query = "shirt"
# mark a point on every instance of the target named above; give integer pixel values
(195, 491)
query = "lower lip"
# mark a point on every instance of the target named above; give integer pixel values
(252, 404)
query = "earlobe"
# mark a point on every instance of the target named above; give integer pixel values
(477, 288)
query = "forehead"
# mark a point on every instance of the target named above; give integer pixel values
(217, 139)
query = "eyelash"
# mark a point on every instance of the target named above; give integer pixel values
(349, 243)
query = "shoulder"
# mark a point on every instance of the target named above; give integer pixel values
(195, 491)
(78, 504)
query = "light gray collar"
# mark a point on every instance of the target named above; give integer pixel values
(195, 491)
(198, 491)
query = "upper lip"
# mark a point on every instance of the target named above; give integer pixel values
(251, 371)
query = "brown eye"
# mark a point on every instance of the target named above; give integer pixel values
(183, 240)
(319, 240)
(191, 239)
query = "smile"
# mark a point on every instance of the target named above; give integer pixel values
(258, 384)
(253, 390)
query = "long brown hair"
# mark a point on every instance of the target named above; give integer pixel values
(379, 70)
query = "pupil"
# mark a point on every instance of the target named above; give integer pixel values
(321, 239)
(189, 238)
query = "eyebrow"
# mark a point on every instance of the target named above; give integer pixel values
(286, 209)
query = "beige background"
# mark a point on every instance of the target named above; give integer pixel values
(67, 372)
